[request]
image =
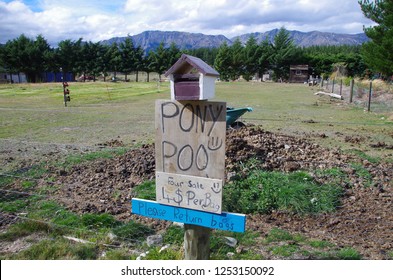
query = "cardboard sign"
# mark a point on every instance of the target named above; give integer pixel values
(187, 191)
(224, 221)
(190, 138)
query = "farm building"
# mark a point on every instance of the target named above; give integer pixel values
(298, 73)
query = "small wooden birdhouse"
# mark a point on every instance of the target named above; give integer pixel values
(192, 79)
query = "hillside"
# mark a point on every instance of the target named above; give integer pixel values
(149, 40)
(313, 38)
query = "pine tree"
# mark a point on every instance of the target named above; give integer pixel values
(127, 51)
(223, 62)
(378, 53)
(251, 55)
(283, 52)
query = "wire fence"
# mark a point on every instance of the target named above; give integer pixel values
(375, 96)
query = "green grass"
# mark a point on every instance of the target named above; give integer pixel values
(282, 244)
(348, 254)
(58, 249)
(146, 190)
(263, 192)
(101, 111)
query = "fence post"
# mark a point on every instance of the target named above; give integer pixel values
(369, 96)
(333, 85)
(341, 88)
(351, 92)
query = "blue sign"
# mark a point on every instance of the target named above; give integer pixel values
(224, 221)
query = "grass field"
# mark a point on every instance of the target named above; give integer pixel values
(99, 112)
(33, 116)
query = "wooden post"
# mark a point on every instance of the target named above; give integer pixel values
(351, 93)
(190, 159)
(333, 85)
(341, 88)
(369, 97)
(190, 155)
(196, 242)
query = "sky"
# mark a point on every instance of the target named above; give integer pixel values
(95, 20)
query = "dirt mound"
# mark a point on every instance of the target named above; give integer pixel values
(364, 220)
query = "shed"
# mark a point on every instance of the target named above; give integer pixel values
(192, 79)
(298, 73)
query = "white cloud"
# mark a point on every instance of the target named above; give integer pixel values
(97, 20)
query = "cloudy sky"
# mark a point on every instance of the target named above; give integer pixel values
(97, 20)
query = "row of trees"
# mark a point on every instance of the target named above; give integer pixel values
(238, 60)
(33, 57)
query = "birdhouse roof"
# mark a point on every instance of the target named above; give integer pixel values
(187, 63)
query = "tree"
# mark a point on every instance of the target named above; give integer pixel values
(283, 53)
(113, 59)
(161, 60)
(223, 62)
(265, 49)
(70, 56)
(139, 61)
(251, 56)
(378, 53)
(127, 52)
(237, 62)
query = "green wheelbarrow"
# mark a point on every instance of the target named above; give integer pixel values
(234, 114)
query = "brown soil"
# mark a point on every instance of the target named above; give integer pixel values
(364, 220)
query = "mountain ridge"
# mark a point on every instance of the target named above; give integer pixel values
(150, 40)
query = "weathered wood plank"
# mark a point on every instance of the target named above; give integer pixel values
(190, 138)
(190, 192)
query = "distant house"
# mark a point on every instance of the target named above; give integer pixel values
(298, 73)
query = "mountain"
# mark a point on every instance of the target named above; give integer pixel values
(149, 40)
(313, 38)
